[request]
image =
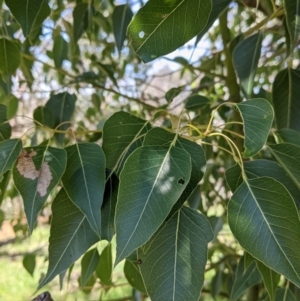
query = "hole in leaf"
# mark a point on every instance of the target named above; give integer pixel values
(141, 34)
(181, 181)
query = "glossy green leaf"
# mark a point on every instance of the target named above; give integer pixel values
(257, 115)
(133, 276)
(120, 132)
(108, 207)
(196, 102)
(121, 18)
(271, 279)
(288, 156)
(262, 168)
(79, 14)
(218, 6)
(29, 13)
(292, 19)
(172, 93)
(156, 31)
(70, 236)
(288, 136)
(245, 58)
(60, 51)
(169, 260)
(264, 219)
(62, 107)
(36, 172)
(9, 150)
(5, 131)
(84, 180)
(10, 57)
(244, 279)
(286, 99)
(152, 180)
(161, 137)
(29, 263)
(44, 116)
(89, 284)
(105, 266)
(89, 264)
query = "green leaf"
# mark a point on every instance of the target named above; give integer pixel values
(257, 115)
(264, 219)
(79, 14)
(244, 279)
(288, 136)
(152, 180)
(169, 260)
(84, 180)
(3, 113)
(133, 276)
(108, 207)
(283, 294)
(288, 156)
(30, 14)
(5, 131)
(12, 106)
(70, 236)
(196, 102)
(172, 93)
(271, 278)
(286, 99)
(29, 263)
(245, 58)
(44, 116)
(3, 186)
(89, 264)
(121, 18)
(156, 31)
(218, 6)
(10, 150)
(120, 133)
(36, 172)
(262, 168)
(60, 51)
(292, 19)
(10, 57)
(62, 106)
(161, 137)
(105, 266)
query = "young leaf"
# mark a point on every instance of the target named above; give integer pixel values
(169, 260)
(62, 106)
(172, 93)
(288, 156)
(159, 137)
(245, 58)
(133, 276)
(105, 266)
(286, 99)
(292, 19)
(29, 13)
(155, 30)
(29, 263)
(10, 57)
(257, 115)
(70, 236)
(36, 172)
(10, 150)
(108, 208)
(121, 18)
(79, 14)
(60, 51)
(271, 279)
(120, 132)
(152, 180)
(264, 219)
(89, 264)
(244, 279)
(84, 180)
